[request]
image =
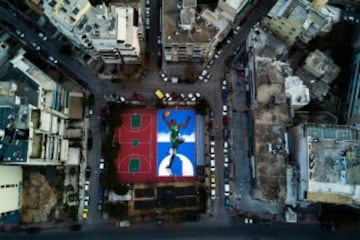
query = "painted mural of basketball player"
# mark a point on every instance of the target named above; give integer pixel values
(175, 137)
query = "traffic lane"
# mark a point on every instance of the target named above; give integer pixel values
(191, 231)
(217, 108)
(93, 162)
(153, 33)
(260, 9)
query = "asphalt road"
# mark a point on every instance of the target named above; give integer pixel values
(189, 231)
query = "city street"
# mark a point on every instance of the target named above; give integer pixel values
(211, 91)
(190, 231)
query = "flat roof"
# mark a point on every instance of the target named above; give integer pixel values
(334, 162)
(26, 87)
(173, 34)
(270, 122)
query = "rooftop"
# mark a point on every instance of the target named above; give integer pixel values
(68, 12)
(334, 163)
(236, 4)
(201, 32)
(26, 88)
(270, 121)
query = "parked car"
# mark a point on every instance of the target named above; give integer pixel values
(218, 53)
(89, 140)
(212, 181)
(87, 172)
(212, 141)
(209, 76)
(197, 95)
(139, 97)
(100, 192)
(212, 152)
(20, 34)
(147, 23)
(204, 72)
(191, 97)
(35, 46)
(85, 213)
(223, 84)
(183, 96)
(100, 205)
(101, 164)
(213, 195)
(175, 95)
(210, 63)
(42, 36)
(227, 202)
(229, 40)
(86, 201)
(212, 165)
(168, 97)
(87, 185)
(227, 189)
(226, 159)
(236, 30)
(226, 174)
(224, 96)
(226, 147)
(123, 224)
(163, 76)
(224, 110)
(159, 94)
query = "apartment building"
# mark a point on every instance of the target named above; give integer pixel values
(111, 33)
(298, 20)
(189, 35)
(33, 117)
(318, 72)
(328, 160)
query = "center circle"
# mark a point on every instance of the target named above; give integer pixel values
(135, 142)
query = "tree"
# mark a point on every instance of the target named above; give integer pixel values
(72, 171)
(116, 210)
(89, 101)
(202, 198)
(190, 74)
(202, 106)
(121, 189)
(69, 188)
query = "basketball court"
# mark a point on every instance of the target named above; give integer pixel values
(138, 137)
